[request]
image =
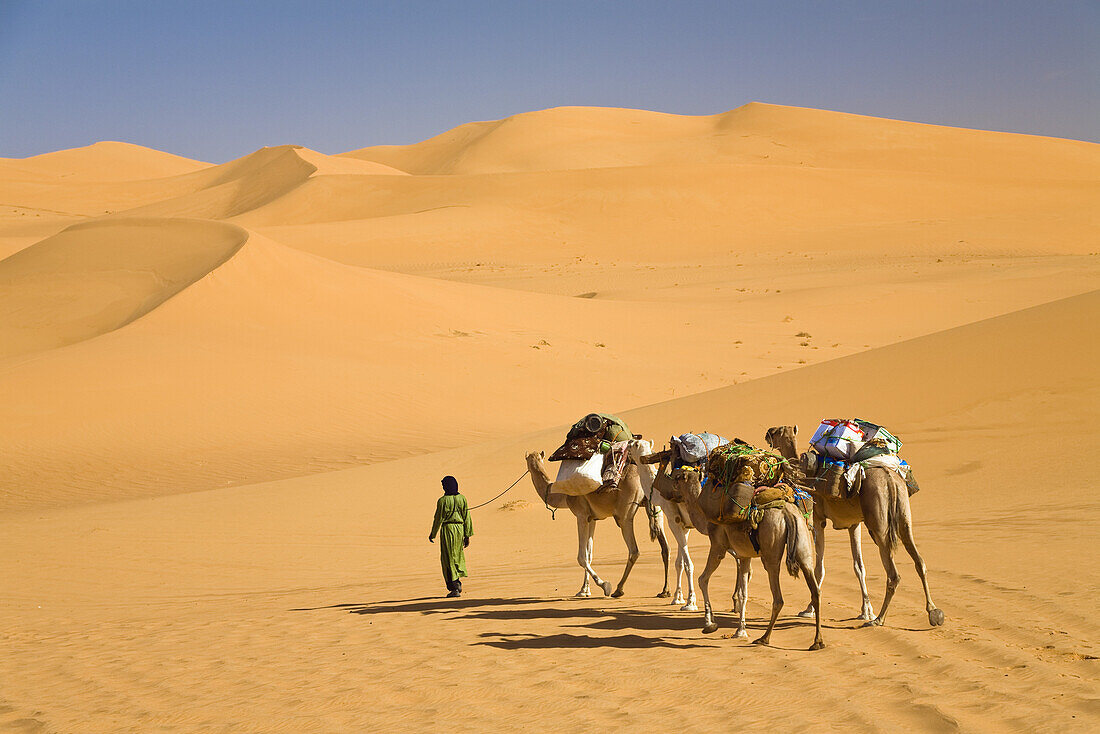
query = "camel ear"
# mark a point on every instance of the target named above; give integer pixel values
(796, 429)
(542, 454)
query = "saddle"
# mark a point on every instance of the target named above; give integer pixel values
(595, 432)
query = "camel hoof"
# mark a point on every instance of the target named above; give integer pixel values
(741, 634)
(664, 595)
(819, 645)
(583, 594)
(690, 607)
(710, 627)
(936, 617)
(617, 594)
(807, 613)
(606, 586)
(760, 641)
(876, 622)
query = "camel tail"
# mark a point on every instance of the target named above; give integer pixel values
(794, 539)
(893, 512)
(654, 515)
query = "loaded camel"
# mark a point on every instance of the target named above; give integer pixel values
(681, 525)
(778, 439)
(883, 504)
(782, 536)
(620, 503)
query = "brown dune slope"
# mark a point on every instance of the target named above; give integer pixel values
(95, 277)
(317, 584)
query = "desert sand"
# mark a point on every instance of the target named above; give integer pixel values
(228, 392)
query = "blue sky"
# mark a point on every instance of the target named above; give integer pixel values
(216, 80)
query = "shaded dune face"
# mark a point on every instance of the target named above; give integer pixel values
(96, 277)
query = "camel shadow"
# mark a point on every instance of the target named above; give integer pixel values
(533, 608)
(593, 618)
(422, 605)
(568, 641)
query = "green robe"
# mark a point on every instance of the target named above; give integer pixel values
(452, 517)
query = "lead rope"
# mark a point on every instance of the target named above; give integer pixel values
(513, 484)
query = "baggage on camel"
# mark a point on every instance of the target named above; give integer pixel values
(840, 451)
(746, 502)
(691, 448)
(750, 478)
(593, 455)
(742, 462)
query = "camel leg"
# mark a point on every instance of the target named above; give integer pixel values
(584, 553)
(714, 559)
(741, 589)
(815, 596)
(744, 571)
(935, 615)
(627, 527)
(586, 529)
(866, 611)
(586, 590)
(819, 550)
(663, 540)
(683, 564)
(893, 578)
(772, 568)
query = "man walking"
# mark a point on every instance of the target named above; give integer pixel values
(453, 525)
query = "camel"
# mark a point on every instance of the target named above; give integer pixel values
(621, 503)
(778, 439)
(681, 524)
(781, 532)
(679, 521)
(883, 505)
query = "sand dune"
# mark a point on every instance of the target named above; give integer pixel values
(103, 161)
(762, 134)
(324, 583)
(546, 188)
(175, 336)
(200, 191)
(95, 277)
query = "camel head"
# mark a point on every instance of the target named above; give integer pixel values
(536, 459)
(636, 448)
(686, 484)
(782, 439)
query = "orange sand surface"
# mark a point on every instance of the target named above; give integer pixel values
(227, 393)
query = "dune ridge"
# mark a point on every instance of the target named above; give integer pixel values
(763, 134)
(228, 393)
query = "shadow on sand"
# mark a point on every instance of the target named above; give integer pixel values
(624, 620)
(564, 640)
